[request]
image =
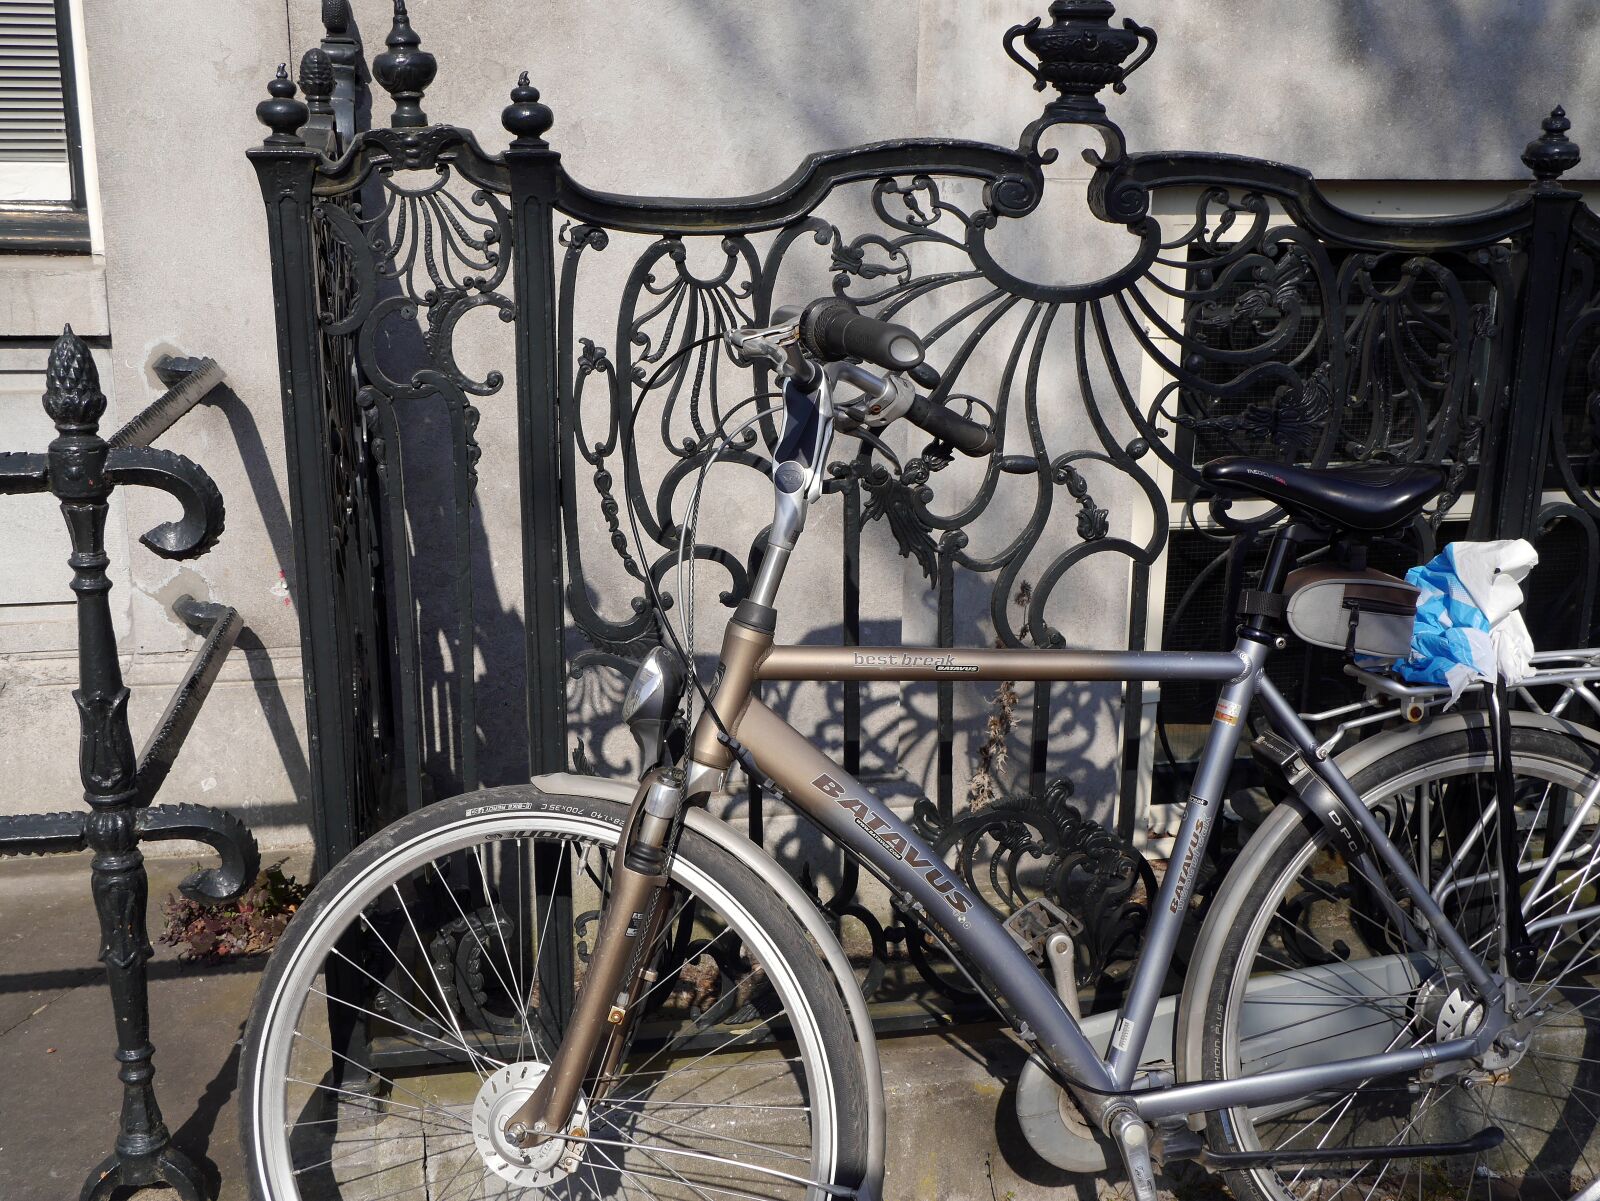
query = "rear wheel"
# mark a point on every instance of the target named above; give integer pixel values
(1315, 970)
(419, 994)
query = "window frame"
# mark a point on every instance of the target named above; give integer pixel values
(55, 226)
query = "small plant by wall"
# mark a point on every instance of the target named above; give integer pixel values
(251, 925)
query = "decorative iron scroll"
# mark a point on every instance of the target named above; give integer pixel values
(1248, 314)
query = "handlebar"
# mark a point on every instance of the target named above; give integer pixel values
(963, 433)
(831, 329)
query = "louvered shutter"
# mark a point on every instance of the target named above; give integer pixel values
(33, 119)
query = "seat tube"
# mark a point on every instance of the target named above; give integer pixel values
(1183, 869)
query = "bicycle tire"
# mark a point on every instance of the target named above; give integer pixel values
(818, 1022)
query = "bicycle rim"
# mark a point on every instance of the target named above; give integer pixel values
(700, 1106)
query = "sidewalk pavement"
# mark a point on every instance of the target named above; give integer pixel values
(952, 1133)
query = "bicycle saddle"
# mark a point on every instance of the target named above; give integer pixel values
(1367, 498)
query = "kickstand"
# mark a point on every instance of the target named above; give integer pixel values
(1520, 956)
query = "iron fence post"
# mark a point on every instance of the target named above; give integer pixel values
(286, 167)
(82, 482)
(535, 171)
(1511, 476)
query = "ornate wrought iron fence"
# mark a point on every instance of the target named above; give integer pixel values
(1247, 313)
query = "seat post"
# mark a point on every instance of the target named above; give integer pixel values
(1281, 555)
(1262, 607)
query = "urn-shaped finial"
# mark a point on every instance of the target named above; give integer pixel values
(525, 117)
(405, 71)
(1080, 52)
(1550, 154)
(72, 394)
(282, 113)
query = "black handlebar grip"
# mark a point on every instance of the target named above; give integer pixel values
(963, 433)
(831, 329)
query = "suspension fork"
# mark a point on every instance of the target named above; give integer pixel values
(637, 985)
(607, 997)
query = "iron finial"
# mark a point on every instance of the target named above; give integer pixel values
(336, 17)
(1079, 52)
(283, 114)
(1550, 154)
(525, 116)
(316, 80)
(72, 394)
(405, 70)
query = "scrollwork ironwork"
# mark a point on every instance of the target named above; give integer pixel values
(1249, 313)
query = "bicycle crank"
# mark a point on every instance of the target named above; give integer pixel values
(526, 1167)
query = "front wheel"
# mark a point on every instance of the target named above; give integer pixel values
(1312, 968)
(421, 990)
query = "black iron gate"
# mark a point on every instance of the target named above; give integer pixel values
(1247, 313)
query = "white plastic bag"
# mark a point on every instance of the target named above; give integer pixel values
(1468, 625)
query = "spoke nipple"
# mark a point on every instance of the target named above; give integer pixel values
(616, 1015)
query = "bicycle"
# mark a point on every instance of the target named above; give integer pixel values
(1369, 993)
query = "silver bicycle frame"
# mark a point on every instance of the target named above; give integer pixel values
(864, 825)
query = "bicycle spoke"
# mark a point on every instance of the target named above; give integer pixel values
(705, 1111)
(1312, 955)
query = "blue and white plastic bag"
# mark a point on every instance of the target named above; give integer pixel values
(1468, 626)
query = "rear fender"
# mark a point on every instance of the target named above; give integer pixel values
(1264, 843)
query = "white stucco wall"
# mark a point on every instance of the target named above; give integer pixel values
(677, 97)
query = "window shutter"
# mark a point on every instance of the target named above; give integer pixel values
(33, 119)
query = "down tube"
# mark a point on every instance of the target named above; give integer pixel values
(859, 820)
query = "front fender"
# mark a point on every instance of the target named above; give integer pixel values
(794, 897)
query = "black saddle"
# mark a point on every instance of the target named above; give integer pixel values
(1369, 498)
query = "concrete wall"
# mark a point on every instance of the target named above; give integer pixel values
(685, 97)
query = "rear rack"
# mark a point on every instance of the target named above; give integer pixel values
(1576, 673)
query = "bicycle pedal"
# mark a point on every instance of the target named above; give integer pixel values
(1033, 924)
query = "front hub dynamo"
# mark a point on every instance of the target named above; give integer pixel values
(538, 1167)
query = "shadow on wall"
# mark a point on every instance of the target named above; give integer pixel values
(1364, 89)
(1462, 40)
(450, 548)
(275, 520)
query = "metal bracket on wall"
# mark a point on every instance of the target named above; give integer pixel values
(189, 381)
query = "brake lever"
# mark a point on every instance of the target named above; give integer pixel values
(884, 398)
(847, 422)
(772, 343)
